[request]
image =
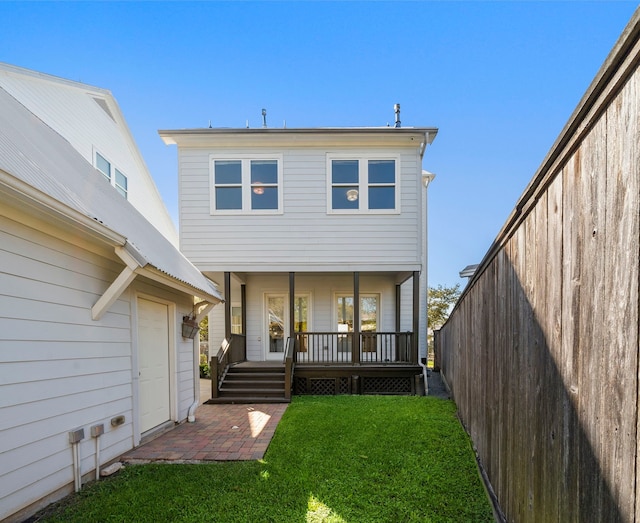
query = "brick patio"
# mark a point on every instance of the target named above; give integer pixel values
(220, 433)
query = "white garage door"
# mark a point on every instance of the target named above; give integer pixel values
(153, 361)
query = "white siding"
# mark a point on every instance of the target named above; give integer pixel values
(305, 236)
(59, 369)
(71, 110)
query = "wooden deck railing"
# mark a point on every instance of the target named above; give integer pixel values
(328, 348)
(231, 351)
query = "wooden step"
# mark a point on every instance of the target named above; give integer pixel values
(255, 391)
(255, 376)
(244, 384)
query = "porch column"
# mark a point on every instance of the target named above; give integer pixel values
(398, 319)
(416, 316)
(292, 306)
(227, 306)
(243, 306)
(398, 304)
(355, 344)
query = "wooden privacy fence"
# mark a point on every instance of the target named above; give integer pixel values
(541, 351)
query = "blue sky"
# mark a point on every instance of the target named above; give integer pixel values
(499, 79)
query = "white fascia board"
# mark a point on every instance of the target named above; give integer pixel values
(308, 137)
(152, 273)
(36, 199)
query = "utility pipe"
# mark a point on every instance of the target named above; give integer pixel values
(96, 432)
(75, 436)
(191, 416)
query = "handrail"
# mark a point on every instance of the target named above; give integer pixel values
(217, 365)
(230, 351)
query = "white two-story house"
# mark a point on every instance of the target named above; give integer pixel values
(318, 237)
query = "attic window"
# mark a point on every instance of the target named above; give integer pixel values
(103, 105)
(112, 174)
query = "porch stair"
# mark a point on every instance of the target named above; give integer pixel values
(252, 382)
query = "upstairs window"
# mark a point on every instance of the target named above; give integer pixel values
(103, 166)
(121, 183)
(111, 173)
(247, 185)
(364, 185)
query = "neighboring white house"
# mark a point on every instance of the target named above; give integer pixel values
(90, 120)
(92, 300)
(322, 215)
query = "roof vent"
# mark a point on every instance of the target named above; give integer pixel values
(396, 109)
(103, 105)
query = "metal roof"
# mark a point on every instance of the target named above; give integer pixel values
(35, 154)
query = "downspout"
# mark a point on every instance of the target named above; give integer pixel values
(191, 415)
(427, 178)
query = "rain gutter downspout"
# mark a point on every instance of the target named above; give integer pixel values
(191, 416)
(427, 178)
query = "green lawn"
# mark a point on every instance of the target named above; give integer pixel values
(349, 459)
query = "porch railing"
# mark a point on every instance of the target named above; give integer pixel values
(231, 351)
(337, 348)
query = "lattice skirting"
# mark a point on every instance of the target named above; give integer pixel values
(322, 386)
(386, 385)
(343, 385)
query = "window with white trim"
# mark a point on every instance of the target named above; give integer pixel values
(246, 185)
(368, 185)
(111, 173)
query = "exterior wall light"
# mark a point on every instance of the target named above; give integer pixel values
(189, 327)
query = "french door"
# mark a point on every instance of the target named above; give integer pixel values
(277, 321)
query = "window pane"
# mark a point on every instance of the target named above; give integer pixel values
(382, 197)
(228, 172)
(382, 171)
(228, 198)
(368, 313)
(345, 313)
(344, 171)
(103, 165)
(121, 180)
(236, 320)
(264, 198)
(344, 197)
(264, 171)
(301, 313)
(276, 323)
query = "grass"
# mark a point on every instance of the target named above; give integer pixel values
(332, 459)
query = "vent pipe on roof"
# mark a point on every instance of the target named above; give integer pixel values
(396, 109)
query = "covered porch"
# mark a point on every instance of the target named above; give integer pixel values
(360, 357)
